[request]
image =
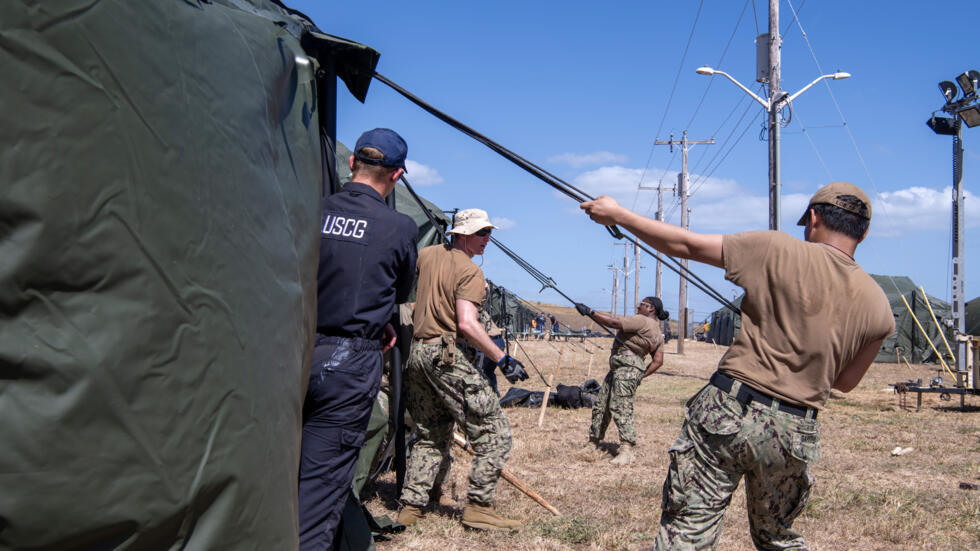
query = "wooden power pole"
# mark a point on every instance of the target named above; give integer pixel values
(682, 192)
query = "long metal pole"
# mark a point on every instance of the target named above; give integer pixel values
(774, 122)
(959, 313)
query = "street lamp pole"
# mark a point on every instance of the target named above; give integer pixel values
(773, 106)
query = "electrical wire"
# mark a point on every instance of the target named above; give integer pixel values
(670, 98)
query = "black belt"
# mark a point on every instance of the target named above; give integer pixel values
(748, 394)
(359, 343)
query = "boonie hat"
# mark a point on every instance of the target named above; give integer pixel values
(830, 195)
(470, 221)
(388, 142)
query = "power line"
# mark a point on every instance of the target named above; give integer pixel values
(670, 98)
(720, 60)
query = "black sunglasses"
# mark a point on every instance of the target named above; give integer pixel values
(484, 232)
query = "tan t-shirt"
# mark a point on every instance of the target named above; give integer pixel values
(640, 334)
(808, 310)
(444, 275)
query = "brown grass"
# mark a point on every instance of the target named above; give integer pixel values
(864, 497)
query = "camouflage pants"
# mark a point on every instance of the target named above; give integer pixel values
(438, 395)
(616, 398)
(722, 440)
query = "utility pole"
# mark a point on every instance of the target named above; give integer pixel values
(682, 191)
(775, 42)
(660, 216)
(636, 276)
(768, 65)
(615, 289)
(626, 278)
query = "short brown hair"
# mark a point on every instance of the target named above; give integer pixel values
(376, 172)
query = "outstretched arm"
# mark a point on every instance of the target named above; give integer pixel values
(666, 238)
(606, 320)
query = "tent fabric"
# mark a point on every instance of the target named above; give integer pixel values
(907, 341)
(973, 317)
(507, 310)
(161, 166)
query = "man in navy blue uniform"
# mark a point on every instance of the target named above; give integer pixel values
(367, 266)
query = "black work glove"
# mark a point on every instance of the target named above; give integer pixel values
(584, 310)
(512, 369)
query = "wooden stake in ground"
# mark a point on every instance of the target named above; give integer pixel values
(589, 372)
(547, 391)
(516, 482)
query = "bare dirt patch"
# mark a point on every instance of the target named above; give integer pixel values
(864, 497)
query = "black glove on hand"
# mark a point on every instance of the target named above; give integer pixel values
(512, 369)
(584, 310)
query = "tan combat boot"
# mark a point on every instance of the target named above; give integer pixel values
(483, 517)
(625, 456)
(409, 515)
(592, 444)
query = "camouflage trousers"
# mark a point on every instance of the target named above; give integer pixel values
(616, 398)
(722, 440)
(438, 395)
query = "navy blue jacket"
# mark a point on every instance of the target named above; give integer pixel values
(367, 263)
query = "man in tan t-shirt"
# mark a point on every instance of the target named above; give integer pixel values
(812, 320)
(443, 387)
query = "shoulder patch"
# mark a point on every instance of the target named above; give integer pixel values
(354, 228)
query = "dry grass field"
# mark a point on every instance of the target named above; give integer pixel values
(864, 497)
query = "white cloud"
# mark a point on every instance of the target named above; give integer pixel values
(919, 208)
(578, 160)
(419, 174)
(503, 223)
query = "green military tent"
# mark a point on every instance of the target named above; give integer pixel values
(973, 317)
(162, 168)
(908, 341)
(507, 310)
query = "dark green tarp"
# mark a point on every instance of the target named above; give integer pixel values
(161, 170)
(973, 317)
(908, 340)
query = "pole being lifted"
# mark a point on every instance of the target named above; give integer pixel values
(555, 182)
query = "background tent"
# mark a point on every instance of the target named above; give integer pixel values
(908, 341)
(162, 175)
(724, 324)
(973, 317)
(507, 310)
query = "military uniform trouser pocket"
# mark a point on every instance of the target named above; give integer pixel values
(715, 411)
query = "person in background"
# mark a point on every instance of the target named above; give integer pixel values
(637, 337)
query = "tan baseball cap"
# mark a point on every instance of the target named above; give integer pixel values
(830, 195)
(470, 221)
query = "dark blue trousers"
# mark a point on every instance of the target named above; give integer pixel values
(344, 381)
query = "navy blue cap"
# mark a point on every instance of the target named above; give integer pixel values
(388, 142)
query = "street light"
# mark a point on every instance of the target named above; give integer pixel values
(967, 109)
(773, 107)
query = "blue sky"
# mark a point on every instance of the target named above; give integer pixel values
(583, 89)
